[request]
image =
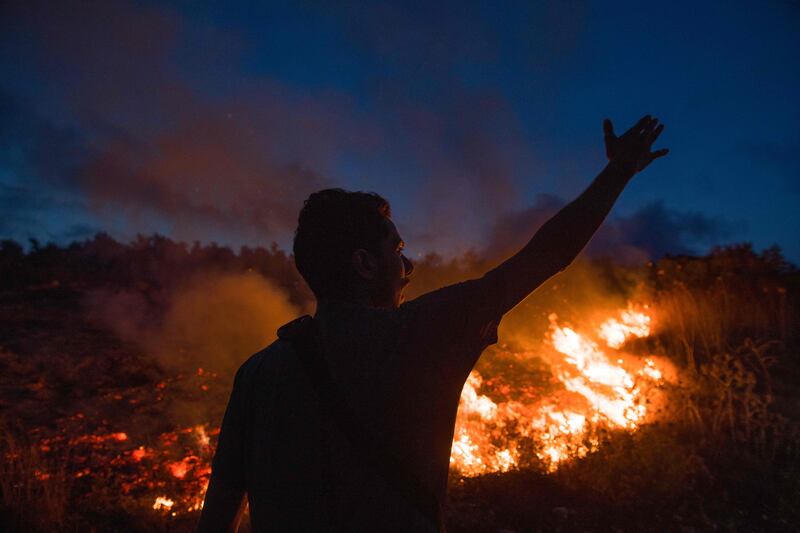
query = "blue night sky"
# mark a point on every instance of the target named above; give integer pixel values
(477, 120)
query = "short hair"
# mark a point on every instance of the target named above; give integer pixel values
(333, 223)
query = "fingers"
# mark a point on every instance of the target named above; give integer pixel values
(652, 156)
(639, 126)
(608, 128)
(659, 153)
(653, 135)
(635, 142)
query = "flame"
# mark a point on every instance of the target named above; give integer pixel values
(202, 436)
(472, 402)
(500, 425)
(600, 390)
(179, 469)
(631, 323)
(163, 503)
(139, 453)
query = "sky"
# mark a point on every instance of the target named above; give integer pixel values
(212, 121)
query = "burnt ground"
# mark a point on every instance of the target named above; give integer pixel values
(727, 458)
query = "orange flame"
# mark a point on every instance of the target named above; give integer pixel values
(600, 392)
(499, 427)
(163, 503)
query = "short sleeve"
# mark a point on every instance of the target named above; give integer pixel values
(456, 323)
(228, 463)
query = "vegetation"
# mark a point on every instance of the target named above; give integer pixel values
(91, 349)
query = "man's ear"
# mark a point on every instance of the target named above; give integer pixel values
(364, 264)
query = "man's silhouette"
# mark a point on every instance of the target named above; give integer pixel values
(345, 422)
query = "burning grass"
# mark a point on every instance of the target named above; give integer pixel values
(602, 388)
(670, 398)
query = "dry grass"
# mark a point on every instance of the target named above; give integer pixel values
(34, 490)
(724, 455)
(725, 452)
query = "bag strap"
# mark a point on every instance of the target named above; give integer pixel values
(363, 441)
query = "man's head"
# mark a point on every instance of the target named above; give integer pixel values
(346, 247)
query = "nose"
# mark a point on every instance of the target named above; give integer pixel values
(408, 265)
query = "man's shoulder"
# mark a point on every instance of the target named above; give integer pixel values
(272, 358)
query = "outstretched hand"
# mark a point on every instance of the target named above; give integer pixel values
(632, 148)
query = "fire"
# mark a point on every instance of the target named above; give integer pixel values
(631, 323)
(469, 452)
(163, 503)
(600, 390)
(500, 426)
(139, 453)
(180, 468)
(202, 436)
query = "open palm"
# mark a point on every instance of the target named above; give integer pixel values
(633, 147)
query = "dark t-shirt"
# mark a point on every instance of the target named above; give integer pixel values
(401, 371)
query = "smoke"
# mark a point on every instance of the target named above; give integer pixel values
(154, 133)
(206, 179)
(513, 230)
(459, 141)
(593, 286)
(212, 321)
(177, 136)
(160, 148)
(216, 321)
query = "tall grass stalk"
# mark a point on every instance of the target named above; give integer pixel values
(34, 491)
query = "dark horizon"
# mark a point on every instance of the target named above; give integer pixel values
(486, 256)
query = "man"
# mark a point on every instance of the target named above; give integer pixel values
(345, 422)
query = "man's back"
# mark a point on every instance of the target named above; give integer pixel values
(401, 372)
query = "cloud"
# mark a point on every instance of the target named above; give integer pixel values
(657, 230)
(457, 132)
(165, 154)
(147, 144)
(169, 131)
(648, 233)
(514, 229)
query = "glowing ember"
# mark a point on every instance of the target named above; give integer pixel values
(179, 468)
(202, 436)
(138, 454)
(500, 426)
(600, 391)
(163, 503)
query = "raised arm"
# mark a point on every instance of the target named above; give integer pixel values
(561, 238)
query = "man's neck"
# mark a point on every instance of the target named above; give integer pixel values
(355, 297)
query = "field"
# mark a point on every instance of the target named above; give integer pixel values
(116, 362)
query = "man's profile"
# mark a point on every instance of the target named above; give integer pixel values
(345, 422)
